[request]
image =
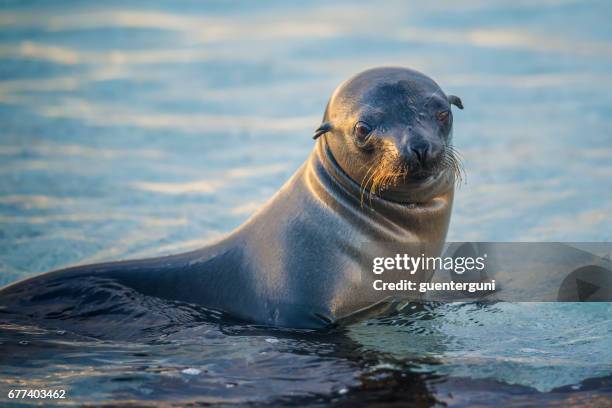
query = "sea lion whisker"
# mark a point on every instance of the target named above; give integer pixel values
(452, 160)
(365, 181)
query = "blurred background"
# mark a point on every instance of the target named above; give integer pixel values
(130, 129)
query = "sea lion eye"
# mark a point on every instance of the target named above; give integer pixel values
(442, 116)
(362, 131)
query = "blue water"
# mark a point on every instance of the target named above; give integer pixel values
(148, 128)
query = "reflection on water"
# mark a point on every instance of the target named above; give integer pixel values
(515, 343)
(459, 354)
(154, 127)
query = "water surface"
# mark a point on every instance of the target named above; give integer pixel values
(149, 128)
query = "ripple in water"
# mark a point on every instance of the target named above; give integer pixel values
(153, 350)
(121, 134)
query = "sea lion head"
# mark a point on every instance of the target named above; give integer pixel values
(389, 128)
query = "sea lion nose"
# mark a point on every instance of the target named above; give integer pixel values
(420, 150)
(420, 153)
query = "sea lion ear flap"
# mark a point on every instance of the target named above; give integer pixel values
(455, 100)
(321, 130)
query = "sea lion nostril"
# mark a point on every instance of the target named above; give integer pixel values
(416, 153)
(420, 152)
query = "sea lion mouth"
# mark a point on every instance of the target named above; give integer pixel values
(422, 175)
(390, 175)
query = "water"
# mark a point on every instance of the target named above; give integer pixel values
(155, 127)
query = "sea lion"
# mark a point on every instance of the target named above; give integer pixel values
(383, 170)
